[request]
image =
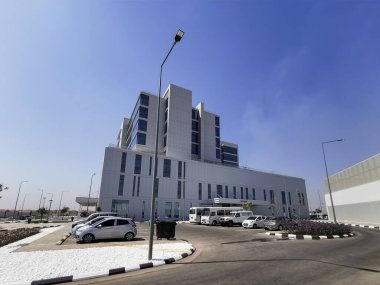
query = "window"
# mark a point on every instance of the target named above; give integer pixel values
(194, 149)
(168, 209)
(218, 153)
(120, 206)
(246, 193)
(253, 194)
(234, 190)
(184, 190)
(229, 157)
(199, 191)
(195, 114)
(121, 222)
(209, 191)
(123, 160)
(194, 137)
(217, 131)
(176, 210)
(166, 103)
(241, 193)
(108, 223)
(141, 138)
(195, 126)
(289, 198)
(217, 142)
(216, 121)
(184, 170)
(303, 199)
(219, 190)
(271, 196)
(143, 112)
(150, 166)
(283, 197)
(226, 191)
(138, 186)
(229, 149)
(179, 169)
(167, 167)
(121, 185)
(164, 141)
(144, 100)
(142, 125)
(220, 212)
(179, 190)
(134, 186)
(165, 128)
(265, 194)
(138, 158)
(166, 115)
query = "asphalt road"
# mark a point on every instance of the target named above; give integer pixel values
(239, 256)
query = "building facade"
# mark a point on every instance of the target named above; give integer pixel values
(355, 192)
(195, 167)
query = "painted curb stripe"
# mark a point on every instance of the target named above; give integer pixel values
(315, 238)
(169, 260)
(146, 265)
(300, 237)
(117, 271)
(89, 276)
(184, 255)
(57, 280)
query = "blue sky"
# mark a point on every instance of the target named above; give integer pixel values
(283, 75)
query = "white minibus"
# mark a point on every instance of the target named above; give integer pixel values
(211, 215)
(195, 214)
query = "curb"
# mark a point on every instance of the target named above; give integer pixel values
(352, 225)
(63, 239)
(113, 271)
(309, 237)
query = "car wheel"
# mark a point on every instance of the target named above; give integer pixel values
(88, 238)
(214, 223)
(280, 227)
(230, 223)
(254, 226)
(129, 236)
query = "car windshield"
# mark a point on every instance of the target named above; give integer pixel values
(252, 218)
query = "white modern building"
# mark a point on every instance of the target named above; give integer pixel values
(195, 167)
(356, 193)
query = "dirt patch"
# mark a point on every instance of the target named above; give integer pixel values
(7, 237)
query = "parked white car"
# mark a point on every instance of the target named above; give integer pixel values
(92, 222)
(235, 218)
(109, 228)
(93, 216)
(254, 222)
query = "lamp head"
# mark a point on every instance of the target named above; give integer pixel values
(179, 35)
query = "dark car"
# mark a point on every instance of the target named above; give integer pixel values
(277, 223)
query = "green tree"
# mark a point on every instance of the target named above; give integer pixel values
(64, 210)
(247, 206)
(42, 212)
(273, 208)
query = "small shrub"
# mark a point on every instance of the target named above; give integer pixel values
(317, 229)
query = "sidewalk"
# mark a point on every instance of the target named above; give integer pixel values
(41, 258)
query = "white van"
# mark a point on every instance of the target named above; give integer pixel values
(211, 215)
(235, 218)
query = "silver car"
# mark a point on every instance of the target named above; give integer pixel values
(93, 216)
(92, 222)
(109, 228)
(254, 222)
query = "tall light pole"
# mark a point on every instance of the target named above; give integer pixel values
(18, 194)
(89, 193)
(327, 175)
(59, 208)
(42, 193)
(22, 208)
(177, 38)
(51, 200)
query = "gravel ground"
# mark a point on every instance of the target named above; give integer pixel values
(28, 266)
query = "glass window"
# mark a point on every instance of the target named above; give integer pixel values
(241, 193)
(121, 185)
(164, 141)
(138, 159)
(142, 125)
(217, 131)
(143, 112)
(228, 149)
(195, 114)
(194, 137)
(184, 169)
(176, 210)
(123, 160)
(184, 196)
(150, 166)
(167, 167)
(216, 121)
(108, 223)
(283, 197)
(209, 191)
(253, 194)
(218, 153)
(234, 189)
(165, 128)
(166, 103)
(120, 206)
(144, 100)
(265, 194)
(194, 149)
(226, 191)
(199, 191)
(138, 186)
(121, 222)
(219, 190)
(194, 126)
(179, 194)
(134, 186)
(290, 198)
(303, 199)
(229, 157)
(217, 142)
(271, 196)
(168, 209)
(166, 115)
(220, 212)
(141, 138)
(179, 169)
(246, 193)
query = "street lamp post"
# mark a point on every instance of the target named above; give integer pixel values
(327, 175)
(177, 38)
(42, 193)
(51, 200)
(59, 208)
(23, 203)
(18, 194)
(89, 193)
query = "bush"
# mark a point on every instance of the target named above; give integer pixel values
(317, 229)
(10, 236)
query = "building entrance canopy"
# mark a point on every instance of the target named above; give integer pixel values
(84, 201)
(239, 202)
